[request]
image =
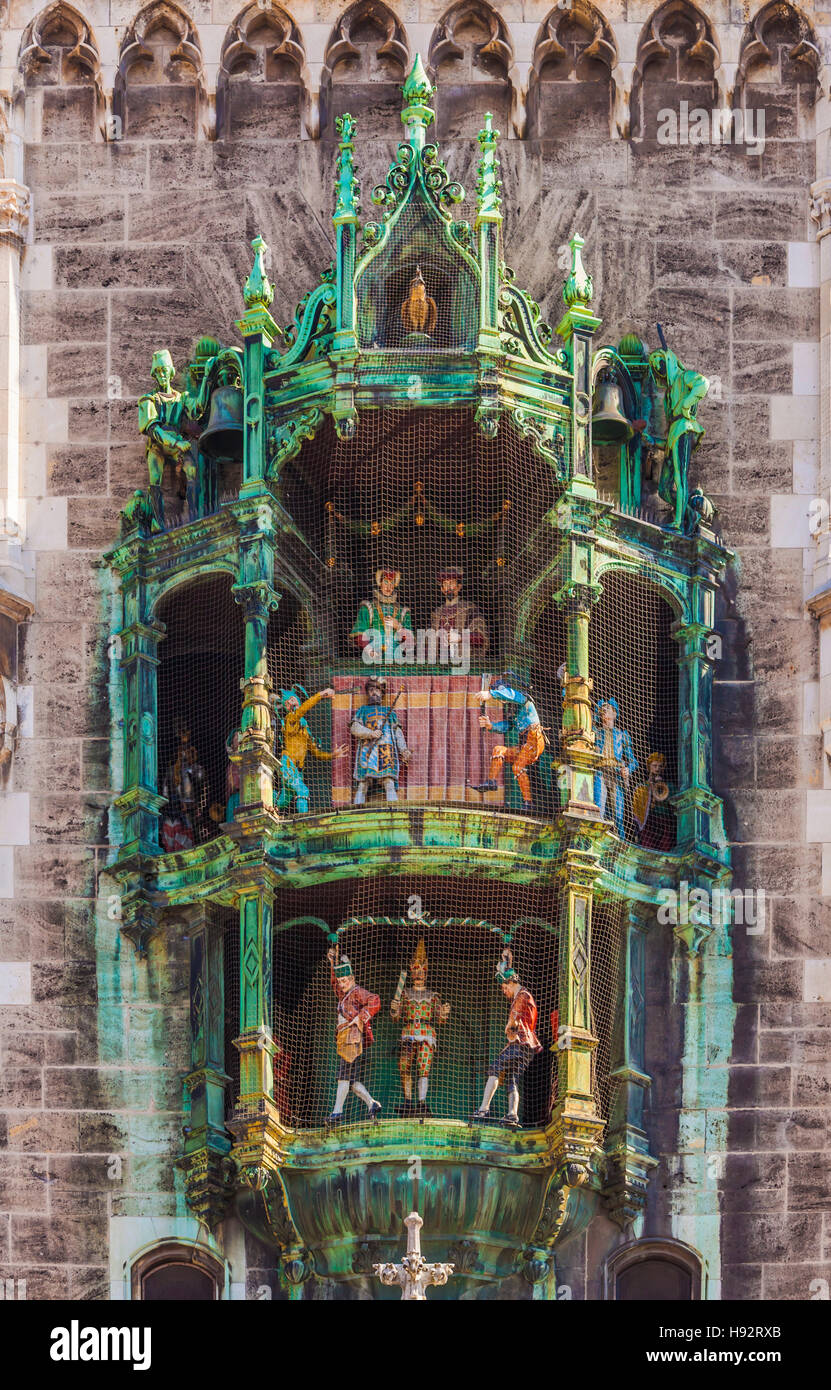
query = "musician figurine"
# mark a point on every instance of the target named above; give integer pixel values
(382, 746)
(356, 1008)
(507, 688)
(382, 620)
(456, 615)
(616, 763)
(297, 740)
(651, 810)
(420, 1010)
(521, 1048)
(419, 312)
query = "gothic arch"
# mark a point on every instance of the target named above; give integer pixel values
(263, 75)
(574, 57)
(472, 38)
(368, 56)
(781, 39)
(175, 76)
(677, 58)
(58, 54)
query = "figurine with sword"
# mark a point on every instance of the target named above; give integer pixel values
(382, 746)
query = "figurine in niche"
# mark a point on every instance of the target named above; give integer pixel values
(381, 620)
(684, 390)
(418, 312)
(420, 1010)
(456, 615)
(356, 1008)
(521, 1048)
(162, 421)
(218, 812)
(507, 688)
(297, 740)
(186, 789)
(616, 763)
(382, 746)
(651, 811)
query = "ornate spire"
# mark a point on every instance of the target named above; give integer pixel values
(578, 288)
(488, 185)
(418, 92)
(347, 206)
(258, 291)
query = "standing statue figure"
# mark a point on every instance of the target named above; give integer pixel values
(186, 789)
(651, 809)
(381, 742)
(381, 620)
(356, 1007)
(525, 720)
(297, 740)
(616, 762)
(684, 389)
(420, 1010)
(522, 1046)
(457, 615)
(419, 312)
(161, 420)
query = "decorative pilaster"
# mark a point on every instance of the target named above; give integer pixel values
(259, 331)
(208, 1170)
(699, 810)
(257, 597)
(577, 328)
(140, 802)
(15, 204)
(576, 1127)
(345, 345)
(488, 227)
(628, 1160)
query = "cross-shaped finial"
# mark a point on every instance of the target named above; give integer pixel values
(414, 1274)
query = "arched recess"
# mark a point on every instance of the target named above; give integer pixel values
(654, 1270)
(571, 94)
(472, 59)
(59, 55)
(633, 659)
(365, 63)
(779, 64)
(201, 660)
(676, 61)
(159, 88)
(260, 89)
(178, 1270)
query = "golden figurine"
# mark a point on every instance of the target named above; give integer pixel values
(419, 312)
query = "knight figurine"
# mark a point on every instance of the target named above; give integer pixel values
(521, 1048)
(420, 1011)
(356, 1008)
(382, 746)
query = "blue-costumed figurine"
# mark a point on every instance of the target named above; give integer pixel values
(617, 762)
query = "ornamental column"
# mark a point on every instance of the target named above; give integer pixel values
(259, 330)
(628, 1161)
(136, 649)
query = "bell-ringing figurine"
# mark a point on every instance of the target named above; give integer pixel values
(356, 1008)
(162, 422)
(419, 1011)
(521, 1048)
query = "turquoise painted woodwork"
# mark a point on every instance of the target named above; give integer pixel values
(337, 1194)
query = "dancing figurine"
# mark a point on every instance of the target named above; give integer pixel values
(617, 762)
(522, 1046)
(297, 741)
(419, 1010)
(356, 1007)
(381, 742)
(507, 689)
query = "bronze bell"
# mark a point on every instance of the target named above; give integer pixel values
(222, 436)
(609, 424)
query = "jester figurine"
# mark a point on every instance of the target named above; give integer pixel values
(507, 688)
(356, 1007)
(382, 746)
(298, 740)
(162, 421)
(420, 1011)
(616, 762)
(381, 620)
(684, 390)
(522, 1046)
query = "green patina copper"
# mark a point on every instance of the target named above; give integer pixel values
(505, 365)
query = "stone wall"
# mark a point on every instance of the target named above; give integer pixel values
(149, 175)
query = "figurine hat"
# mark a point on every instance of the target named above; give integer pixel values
(505, 972)
(344, 969)
(379, 681)
(294, 692)
(162, 358)
(611, 701)
(394, 575)
(452, 573)
(655, 759)
(419, 955)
